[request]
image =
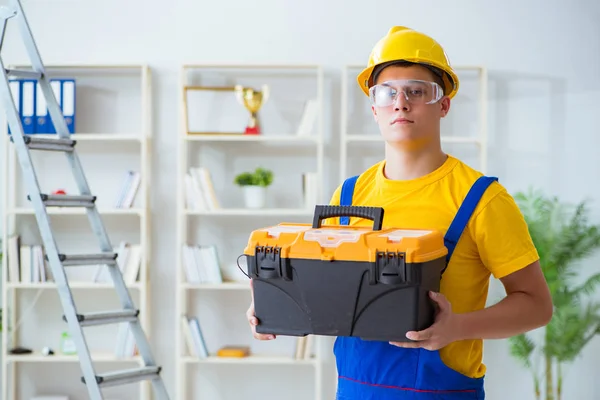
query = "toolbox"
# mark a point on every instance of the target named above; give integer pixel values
(364, 281)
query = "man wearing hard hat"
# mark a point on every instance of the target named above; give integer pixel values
(410, 83)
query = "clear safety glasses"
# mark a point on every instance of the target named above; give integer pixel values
(414, 91)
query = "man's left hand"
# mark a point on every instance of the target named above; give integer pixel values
(443, 331)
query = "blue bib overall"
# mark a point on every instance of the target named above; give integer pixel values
(371, 370)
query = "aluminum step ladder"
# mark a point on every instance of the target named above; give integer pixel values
(106, 256)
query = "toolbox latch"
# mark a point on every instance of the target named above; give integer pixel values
(390, 267)
(269, 265)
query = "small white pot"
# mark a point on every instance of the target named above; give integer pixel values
(255, 196)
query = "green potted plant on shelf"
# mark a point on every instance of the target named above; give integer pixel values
(254, 184)
(564, 237)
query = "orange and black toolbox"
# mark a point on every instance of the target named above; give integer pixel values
(362, 281)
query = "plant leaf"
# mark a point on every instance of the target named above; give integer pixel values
(564, 237)
(522, 347)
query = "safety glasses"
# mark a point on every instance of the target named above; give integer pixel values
(414, 91)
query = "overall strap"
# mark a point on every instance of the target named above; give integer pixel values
(346, 196)
(464, 213)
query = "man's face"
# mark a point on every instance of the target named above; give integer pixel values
(409, 123)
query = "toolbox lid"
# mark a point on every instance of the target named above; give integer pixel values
(348, 243)
(333, 237)
(399, 234)
(275, 231)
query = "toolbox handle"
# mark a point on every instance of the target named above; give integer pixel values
(326, 211)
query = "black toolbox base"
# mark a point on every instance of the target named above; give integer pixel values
(344, 298)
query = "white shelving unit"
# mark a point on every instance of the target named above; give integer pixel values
(212, 137)
(468, 135)
(113, 133)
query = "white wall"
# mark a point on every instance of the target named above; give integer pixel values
(544, 63)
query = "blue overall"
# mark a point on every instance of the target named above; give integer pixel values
(371, 370)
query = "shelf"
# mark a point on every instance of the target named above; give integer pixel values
(217, 143)
(376, 138)
(209, 137)
(269, 66)
(217, 286)
(273, 360)
(78, 211)
(88, 67)
(72, 285)
(253, 213)
(96, 137)
(113, 134)
(38, 357)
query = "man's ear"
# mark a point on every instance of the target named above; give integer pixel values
(375, 116)
(445, 106)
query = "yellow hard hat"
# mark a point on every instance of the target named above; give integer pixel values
(405, 44)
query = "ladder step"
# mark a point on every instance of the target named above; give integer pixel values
(127, 376)
(62, 200)
(36, 143)
(24, 73)
(88, 259)
(106, 317)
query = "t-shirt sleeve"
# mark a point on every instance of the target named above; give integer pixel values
(502, 236)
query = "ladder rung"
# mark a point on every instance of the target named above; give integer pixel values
(24, 73)
(58, 144)
(127, 376)
(106, 317)
(87, 259)
(63, 200)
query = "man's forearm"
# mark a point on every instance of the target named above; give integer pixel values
(517, 313)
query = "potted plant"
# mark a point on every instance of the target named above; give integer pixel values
(254, 185)
(564, 236)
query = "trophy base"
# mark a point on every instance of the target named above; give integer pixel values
(252, 130)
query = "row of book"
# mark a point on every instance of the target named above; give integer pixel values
(31, 104)
(309, 118)
(201, 264)
(199, 190)
(193, 336)
(28, 264)
(129, 258)
(125, 344)
(129, 189)
(200, 193)
(196, 345)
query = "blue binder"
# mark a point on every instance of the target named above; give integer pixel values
(42, 118)
(56, 88)
(32, 108)
(68, 102)
(15, 88)
(28, 95)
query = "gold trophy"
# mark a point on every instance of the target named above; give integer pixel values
(252, 100)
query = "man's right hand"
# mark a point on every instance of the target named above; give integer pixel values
(253, 321)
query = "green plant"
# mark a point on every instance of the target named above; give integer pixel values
(260, 177)
(564, 236)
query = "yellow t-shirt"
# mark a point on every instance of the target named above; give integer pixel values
(495, 242)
